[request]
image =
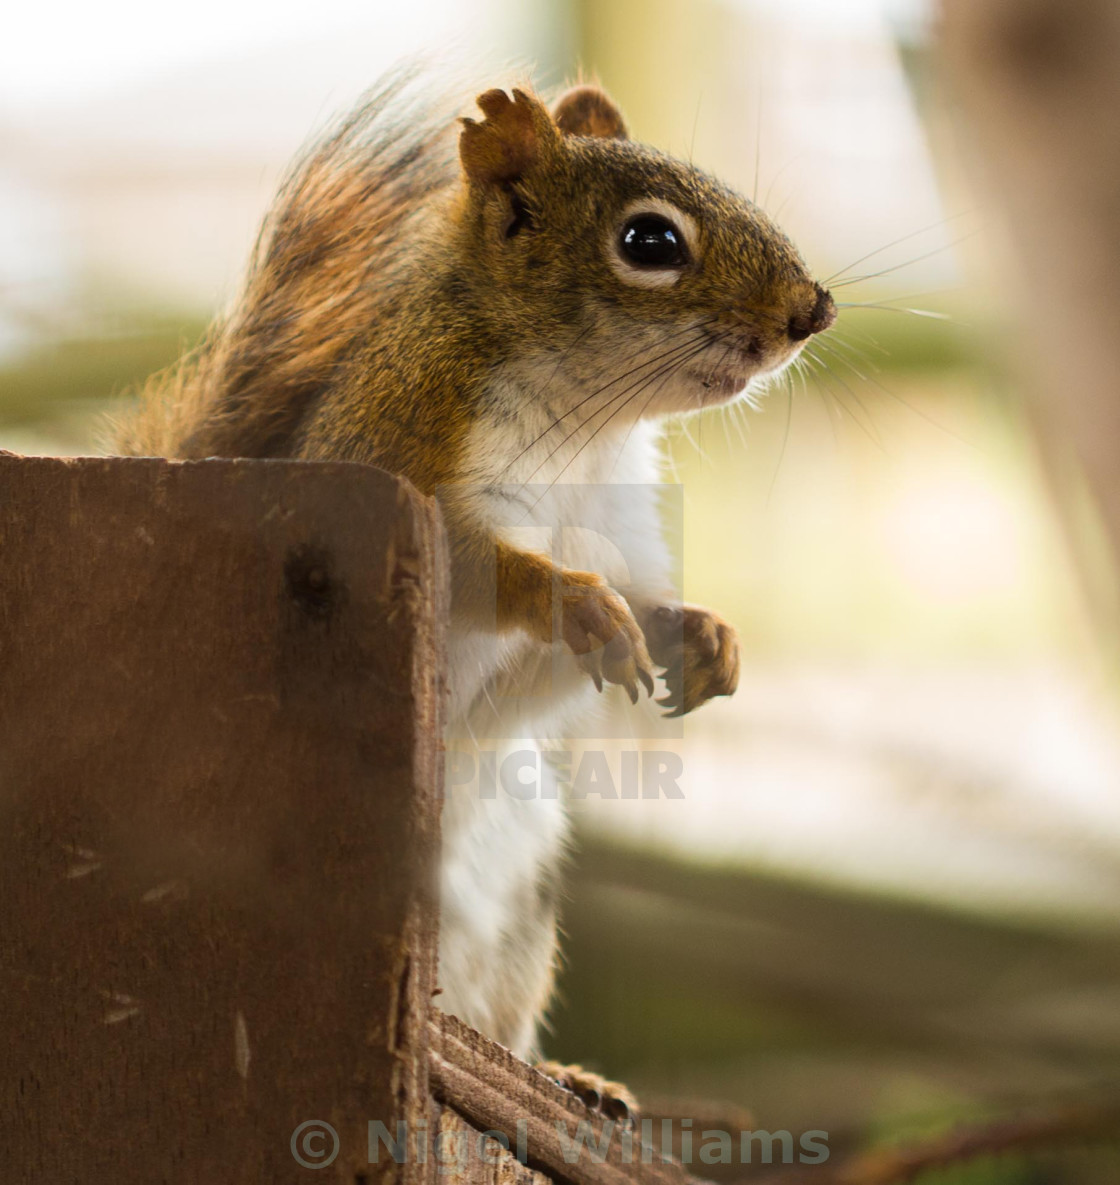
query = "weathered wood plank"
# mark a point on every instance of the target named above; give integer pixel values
(496, 1091)
(220, 688)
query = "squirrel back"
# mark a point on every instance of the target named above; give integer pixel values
(319, 274)
(398, 288)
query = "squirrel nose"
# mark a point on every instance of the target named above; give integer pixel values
(819, 318)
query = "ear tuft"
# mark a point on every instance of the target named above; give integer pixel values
(507, 142)
(589, 111)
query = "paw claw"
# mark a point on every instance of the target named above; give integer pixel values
(698, 651)
(609, 1098)
(591, 666)
(600, 629)
(619, 1110)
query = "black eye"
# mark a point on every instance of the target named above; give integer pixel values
(652, 241)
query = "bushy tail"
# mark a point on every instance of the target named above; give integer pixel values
(322, 266)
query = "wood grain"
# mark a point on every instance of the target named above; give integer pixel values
(220, 700)
(495, 1090)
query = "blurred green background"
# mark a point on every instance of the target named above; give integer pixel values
(891, 895)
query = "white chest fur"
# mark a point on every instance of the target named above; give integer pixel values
(591, 505)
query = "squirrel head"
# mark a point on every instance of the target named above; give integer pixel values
(576, 238)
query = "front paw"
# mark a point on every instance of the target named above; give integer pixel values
(699, 651)
(600, 629)
(611, 1099)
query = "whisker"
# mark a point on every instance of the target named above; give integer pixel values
(636, 352)
(774, 181)
(668, 457)
(782, 205)
(906, 403)
(599, 390)
(887, 246)
(722, 358)
(850, 349)
(863, 336)
(566, 352)
(908, 296)
(736, 411)
(695, 124)
(893, 308)
(832, 351)
(645, 407)
(785, 441)
(685, 430)
(821, 375)
(680, 352)
(806, 374)
(664, 376)
(898, 266)
(630, 430)
(854, 395)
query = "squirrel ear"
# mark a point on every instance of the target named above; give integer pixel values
(589, 111)
(508, 141)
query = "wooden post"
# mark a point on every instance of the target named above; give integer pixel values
(219, 793)
(1040, 89)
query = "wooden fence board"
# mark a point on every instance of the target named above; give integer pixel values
(219, 771)
(496, 1091)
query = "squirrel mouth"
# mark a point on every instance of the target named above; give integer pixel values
(729, 378)
(723, 383)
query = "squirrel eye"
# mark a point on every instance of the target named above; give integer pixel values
(649, 240)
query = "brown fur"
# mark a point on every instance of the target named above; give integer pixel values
(322, 271)
(586, 111)
(502, 148)
(387, 288)
(421, 313)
